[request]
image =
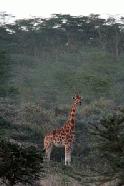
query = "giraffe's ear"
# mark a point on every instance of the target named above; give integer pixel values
(73, 97)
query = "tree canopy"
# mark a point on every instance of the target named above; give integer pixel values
(63, 31)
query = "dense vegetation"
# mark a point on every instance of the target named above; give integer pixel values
(43, 62)
(19, 164)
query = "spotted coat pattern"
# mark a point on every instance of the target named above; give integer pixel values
(65, 135)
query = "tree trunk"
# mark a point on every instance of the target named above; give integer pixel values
(116, 45)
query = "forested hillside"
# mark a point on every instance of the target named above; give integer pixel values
(43, 62)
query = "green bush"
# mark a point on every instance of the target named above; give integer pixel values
(19, 164)
(109, 135)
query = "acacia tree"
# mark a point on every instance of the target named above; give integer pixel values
(113, 36)
(109, 135)
(62, 32)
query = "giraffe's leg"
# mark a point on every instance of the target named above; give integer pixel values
(48, 151)
(67, 154)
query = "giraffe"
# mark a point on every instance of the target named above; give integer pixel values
(64, 136)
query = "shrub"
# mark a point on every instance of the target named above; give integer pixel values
(109, 134)
(19, 164)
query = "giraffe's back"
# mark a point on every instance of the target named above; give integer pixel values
(59, 137)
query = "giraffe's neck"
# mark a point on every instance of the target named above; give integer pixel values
(72, 115)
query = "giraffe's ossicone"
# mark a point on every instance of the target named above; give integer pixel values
(64, 136)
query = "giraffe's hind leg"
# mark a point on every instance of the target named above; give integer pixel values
(48, 151)
(68, 150)
(48, 145)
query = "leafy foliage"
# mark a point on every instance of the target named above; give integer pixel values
(5, 75)
(110, 142)
(19, 164)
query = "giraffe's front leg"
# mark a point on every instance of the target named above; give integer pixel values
(68, 150)
(48, 151)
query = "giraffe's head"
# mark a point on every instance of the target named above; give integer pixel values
(77, 99)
